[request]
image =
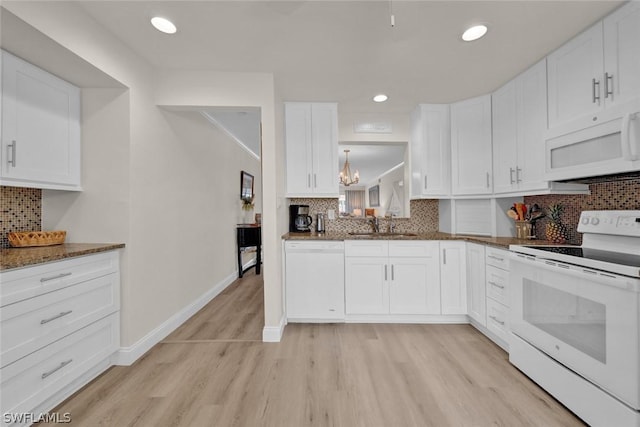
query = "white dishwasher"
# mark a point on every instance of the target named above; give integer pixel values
(314, 281)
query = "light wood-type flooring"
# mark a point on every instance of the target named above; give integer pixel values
(215, 371)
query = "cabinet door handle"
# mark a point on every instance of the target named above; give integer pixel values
(444, 257)
(57, 368)
(511, 171)
(58, 276)
(385, 272)
(495, 319)
(496, 285)
(11, 153)
(608, 88)
(309, 180)
(57, 316)
(496, 258)
(315, 181)
(518, 170)
(595, 91)
(392, 273)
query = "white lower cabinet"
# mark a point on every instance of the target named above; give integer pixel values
(417, 281)
(453, 277)
(366, 285)
(392, 277)
(59, 326)
(314, 277)
(497, 290)
(476, 293)
(498, 320)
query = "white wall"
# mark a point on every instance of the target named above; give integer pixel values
(171, 220)
(399, 125)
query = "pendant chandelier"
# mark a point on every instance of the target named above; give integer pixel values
(345, 174)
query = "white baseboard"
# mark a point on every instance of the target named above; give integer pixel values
(407, 318)
(274, 333)
(128, 355)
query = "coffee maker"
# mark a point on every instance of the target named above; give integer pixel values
(299, 218)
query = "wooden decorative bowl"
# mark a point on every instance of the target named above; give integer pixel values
(23, 239)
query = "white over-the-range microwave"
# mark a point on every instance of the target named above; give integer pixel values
(602, 144)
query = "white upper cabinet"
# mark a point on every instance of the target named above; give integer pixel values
(519, 111)
(598, 69)
(575, 77)
(531, 123)
(40, 128)
(622, 54)
(430, 151)
(471, 147)
(311, 134)
(505, 139)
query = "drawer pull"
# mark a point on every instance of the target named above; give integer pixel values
(496, 258)
(496, 285)
(495, 319)
(57, 368)
(57, 316)
(58, 276)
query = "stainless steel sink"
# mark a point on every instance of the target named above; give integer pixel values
(372, 234)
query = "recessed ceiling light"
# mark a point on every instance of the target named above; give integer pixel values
(474, 33)
(163, 24)
(380, 98)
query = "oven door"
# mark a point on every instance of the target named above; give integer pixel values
(585, 319)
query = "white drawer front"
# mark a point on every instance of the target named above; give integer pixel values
(498, 284)
(498, 319)
(29, 381)
(31, 324)
(414, 248)
(28, 282)
(370, 248)
(497, 257)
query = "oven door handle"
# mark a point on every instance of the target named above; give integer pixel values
(611, 279)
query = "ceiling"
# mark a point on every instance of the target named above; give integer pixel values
(347, 51)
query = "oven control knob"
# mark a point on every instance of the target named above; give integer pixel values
(595, 221)
(585, 220)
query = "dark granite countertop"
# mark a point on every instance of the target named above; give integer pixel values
(23, 257)
(500, 242)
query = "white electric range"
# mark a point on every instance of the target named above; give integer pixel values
(575, 318)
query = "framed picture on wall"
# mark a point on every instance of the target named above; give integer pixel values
(246, 185)
(374, 196)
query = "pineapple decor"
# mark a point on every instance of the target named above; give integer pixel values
(556, 231)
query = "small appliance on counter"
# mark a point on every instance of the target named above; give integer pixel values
(320, 223)
(299, 219)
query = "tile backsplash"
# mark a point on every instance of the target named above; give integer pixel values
(20, 210)
(424, 217)
(619, 192)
